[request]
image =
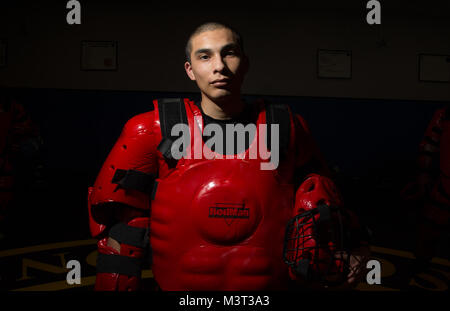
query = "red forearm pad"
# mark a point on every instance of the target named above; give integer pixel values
(113, 281)
(121, 271)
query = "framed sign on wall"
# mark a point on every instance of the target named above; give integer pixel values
(434, 68)
(335, 64)
(99, 55)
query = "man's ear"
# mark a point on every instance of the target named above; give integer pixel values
(189, 72)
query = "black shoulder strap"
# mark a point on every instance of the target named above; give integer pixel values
(279, 114)
(171, 112)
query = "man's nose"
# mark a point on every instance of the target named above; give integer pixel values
(219, 64)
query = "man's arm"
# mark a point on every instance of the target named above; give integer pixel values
(427, 161)
(309, 158)
(429, 149)
(317, 189)
(119, 205)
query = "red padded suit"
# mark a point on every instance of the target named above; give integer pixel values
(215, 224)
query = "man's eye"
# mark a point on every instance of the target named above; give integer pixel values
(204, 57)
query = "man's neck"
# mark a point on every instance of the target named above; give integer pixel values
(223, 110)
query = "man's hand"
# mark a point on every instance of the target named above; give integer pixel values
(358, 262)
(357, 266)
(113, 243)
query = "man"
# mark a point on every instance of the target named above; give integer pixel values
(19, 145)
(216, 219)
(432, 187)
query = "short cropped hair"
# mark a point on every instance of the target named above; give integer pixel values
(209, 26)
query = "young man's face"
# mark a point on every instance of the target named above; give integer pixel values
(217, 64)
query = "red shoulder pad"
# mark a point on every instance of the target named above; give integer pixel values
(303, 140)
(134, 150)
(302, 125)
(307, 149)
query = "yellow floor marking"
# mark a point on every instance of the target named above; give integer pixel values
(60, 285)
(45, 247)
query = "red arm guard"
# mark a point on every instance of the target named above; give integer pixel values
(122, 212)
(121, 270)
(427, 161)
(134, 150)
(309, 158)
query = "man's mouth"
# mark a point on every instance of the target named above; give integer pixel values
(221, 82)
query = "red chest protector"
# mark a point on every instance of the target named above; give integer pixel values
(219, 224)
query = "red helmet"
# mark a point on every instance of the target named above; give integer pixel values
(315, 244)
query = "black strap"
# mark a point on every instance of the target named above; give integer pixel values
(133, 236)
(171, 112)
(278, 114)
(132, 179)
(165, 147)
(155, 188)
(118, 264)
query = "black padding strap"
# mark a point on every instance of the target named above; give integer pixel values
(133, 236)
(119, 264)
(155, 188)
(165, 147)
(278, 114)
(171, 112)
(131, 179)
